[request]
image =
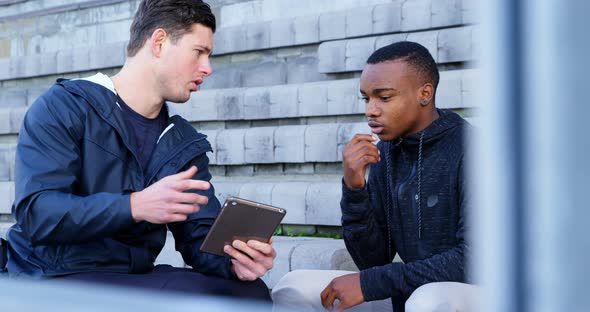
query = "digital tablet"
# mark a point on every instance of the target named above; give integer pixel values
(242, 219)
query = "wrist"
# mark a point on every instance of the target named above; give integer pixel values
(134, 210)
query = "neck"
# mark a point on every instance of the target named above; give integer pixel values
(136, 86)
(428, 119)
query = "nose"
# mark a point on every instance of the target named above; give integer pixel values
(371, 109)
(205, 67)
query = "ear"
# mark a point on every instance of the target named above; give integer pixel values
(157, 42)
(426, 94)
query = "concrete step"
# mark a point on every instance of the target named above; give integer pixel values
(297, 100)
(307, 202)
(448, 45)
(95, 46)
(293, 253)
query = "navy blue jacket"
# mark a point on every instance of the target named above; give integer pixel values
(75, 170)
(414, 204)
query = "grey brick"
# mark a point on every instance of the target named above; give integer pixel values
(332, 25)
(64, 61)
(230, 104)
(257, 191)
(259, 145)
(358, 51)
(227, 77)
(290, 144)
(239, 171)
(202, 106)
(17, 66)
(304, 69)
(332, 56)
(416, 14)
(323, 204)
(264, 74)
(454, 45)
(320, 142)
(212, 138)
(6, 197)
(5, 116)
(282, 33)
(230, 39)
(169, 255)
(469, 11)
(313, 99)
(446, 13)
(4, 69)
(282, 264)
(17, 114)
(111, 55)
(359, 22)
(469, 83)
(224, 189)
(230, 147)
(325, 254)
(429, 39)
(448, 94)
(257, 36)
(476, 40)
(80, 59)
(13, 97)
(283, 101)
(343, 97)
(347, 131)
(256, 103)
(33, 94)
(298, 169)
(306, 29)
(383, 41)
(5, 155)
(291, 197)
(387, 18)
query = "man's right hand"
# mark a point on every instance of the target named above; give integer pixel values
(356, 156)
(166, 200)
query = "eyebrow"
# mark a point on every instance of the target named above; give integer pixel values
(204, 48)
(377, 91)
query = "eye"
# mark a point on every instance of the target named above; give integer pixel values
(385, 98)
(364, 99)
(198, 52)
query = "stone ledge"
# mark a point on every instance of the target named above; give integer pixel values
(446, 46)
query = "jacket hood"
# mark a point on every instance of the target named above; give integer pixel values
(446, 121)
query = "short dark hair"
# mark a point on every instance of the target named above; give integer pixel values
(414, 54)
(176, 17)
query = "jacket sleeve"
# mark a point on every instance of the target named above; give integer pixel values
(48, 165)
(399, 280)
(364, 224)
(190, 234)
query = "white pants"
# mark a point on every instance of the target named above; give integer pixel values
(300, 291)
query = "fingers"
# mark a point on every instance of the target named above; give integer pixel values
(362, 137)
(249, 255)
(190, 184)
(183, 175)
(242, 272)
(328, 297)
(190, 198)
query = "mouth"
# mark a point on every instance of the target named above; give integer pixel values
(194, 85)
(376, 127)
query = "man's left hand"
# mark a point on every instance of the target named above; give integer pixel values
(347, 289)
(250, 260)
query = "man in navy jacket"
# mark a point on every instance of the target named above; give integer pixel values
(414, 203)
(102, 171)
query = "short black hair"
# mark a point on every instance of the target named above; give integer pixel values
(414, 54)
(176, 17)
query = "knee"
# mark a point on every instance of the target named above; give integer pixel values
(294, 287)
(429, 298)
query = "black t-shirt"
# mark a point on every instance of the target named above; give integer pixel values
(146, 131)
